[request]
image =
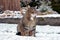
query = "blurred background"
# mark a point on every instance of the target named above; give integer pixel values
(16, 4)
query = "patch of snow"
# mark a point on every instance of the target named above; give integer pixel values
(9, 28)
(17, 14)
(47, 30)
(49, 15)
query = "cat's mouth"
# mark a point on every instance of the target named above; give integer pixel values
(33, 16)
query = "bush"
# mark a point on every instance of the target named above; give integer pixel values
(56, 8)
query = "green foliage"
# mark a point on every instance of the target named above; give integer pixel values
(32, 4)
(43, 9)
(22, 4)
(56, 8)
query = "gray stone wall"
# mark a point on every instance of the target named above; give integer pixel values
(53, 21)
(49, 21)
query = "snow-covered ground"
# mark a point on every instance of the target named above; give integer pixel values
(46, 32)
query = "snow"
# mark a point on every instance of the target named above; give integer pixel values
(17, 14)
(15, 37)
(46, 32)
(49, 15)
